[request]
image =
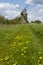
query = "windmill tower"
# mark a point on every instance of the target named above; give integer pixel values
(24, 16)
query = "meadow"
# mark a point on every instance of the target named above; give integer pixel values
(21, 44)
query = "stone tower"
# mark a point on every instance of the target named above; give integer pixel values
(24, 16)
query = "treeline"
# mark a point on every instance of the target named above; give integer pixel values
(3, 20)
(36, 21)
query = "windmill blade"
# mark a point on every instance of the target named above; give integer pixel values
(23, 10)
(25, 7)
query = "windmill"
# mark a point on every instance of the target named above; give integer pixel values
(24, 15)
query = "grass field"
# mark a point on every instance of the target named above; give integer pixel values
(21, 44)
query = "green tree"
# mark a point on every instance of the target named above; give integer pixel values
(2, 19)
(37, 21)
(32, 21)
(7, 21)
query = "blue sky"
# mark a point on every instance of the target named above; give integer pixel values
(12, 8)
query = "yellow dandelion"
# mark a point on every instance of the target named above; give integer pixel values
(24, 51)
(40, 57)
(27, 42)
(6, 57)
(20, 44)
(40, 64)
(7, 62)
(1, 59)
(22, 54)
(38, 60)
(14, 42)
(14, 64)
(39, 52)
(16, 37)
(25, 47)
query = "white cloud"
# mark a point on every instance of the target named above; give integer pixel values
(28, 1)
(9, 10)
(35, 12)
(8, 5)
(34, 1)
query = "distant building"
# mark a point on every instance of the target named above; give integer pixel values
(24, 16)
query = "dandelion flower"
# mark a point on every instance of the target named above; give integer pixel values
(7, 62)
(1, 59)
(6, 57)
(20, 44)
(26, 42)
(24, 51)
(14, 64)
(22, 54)
(25, 47)
(16, 37)
(39, 52)
(38, 60)
(40, 64)
(40, 57)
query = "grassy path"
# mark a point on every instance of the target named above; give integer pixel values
(22, 48)
(38, 44)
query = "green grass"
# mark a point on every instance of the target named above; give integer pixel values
(21, 44)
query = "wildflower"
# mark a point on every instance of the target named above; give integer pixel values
(40, 64)
(25, 47)
(40, 57)
(24, 51)
(1, 59)
(39, 52)
(22, 54)
(6, 57)
(38, 60)
(20, 44)
(15, 63)
(16, 37)
(26, 42)
(7, 62)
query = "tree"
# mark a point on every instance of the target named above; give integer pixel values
(37, 21)
(2, 19)
(32, 21)
(7, 21)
